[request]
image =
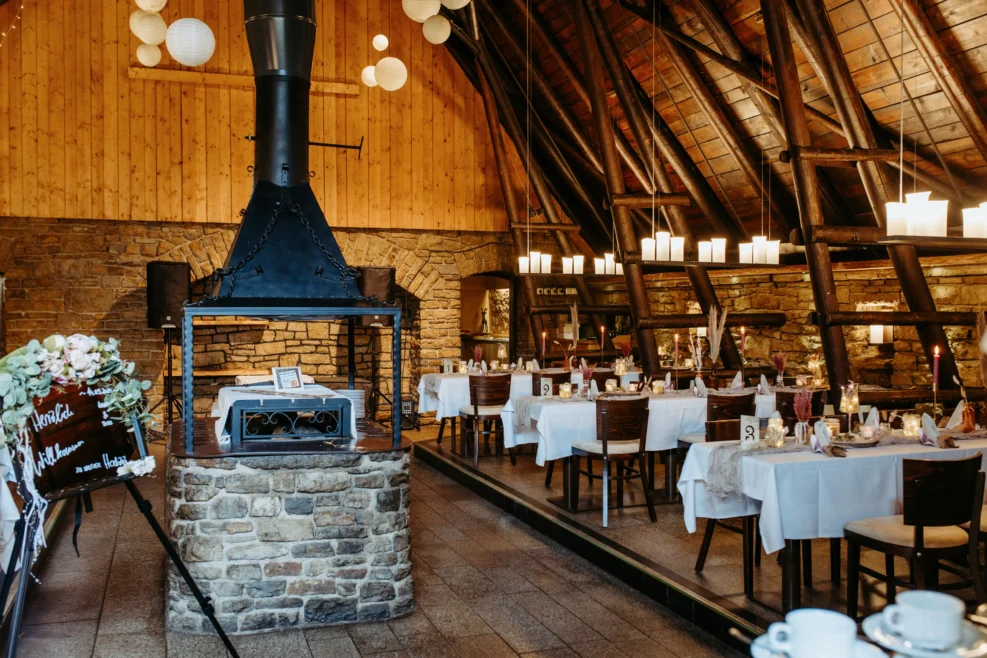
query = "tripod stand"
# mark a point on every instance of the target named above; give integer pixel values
(173, 400)
(375, 391)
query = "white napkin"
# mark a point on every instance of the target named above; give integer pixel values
(534, 366)
(873, 418)
(593, 390)
(630, 360)
(957, 416)
(582, 363)
(765, 389)
(738, 381)
(821, 437)
(668, 380)
(700, 389)
(929, 435)
(520, 363)
(483, 366)
(469, 364)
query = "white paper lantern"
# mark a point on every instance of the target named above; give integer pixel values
(148, 55)
(152, 6)
(437, 29)
(149, 28)
(391, 73)
(380, 43)
(455, 4)
(190, 42)
(420, 10)
(368, 76)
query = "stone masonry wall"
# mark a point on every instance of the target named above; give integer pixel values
(290, 542)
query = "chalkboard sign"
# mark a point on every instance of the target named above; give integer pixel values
(77, 446)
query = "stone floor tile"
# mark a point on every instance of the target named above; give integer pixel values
(508, 580)
(416, 623)
(552, 653)
(388, 654)
(184, 645)
(61, 640)
(327, 633)
(130, 645)
(277, 644)
(599, 649)
(646, 648)
(430, 646)
(455, 620)
(65, 596)
(556, 618)
(374, 638)
(340, 647)
(125, 615)
(482, 646)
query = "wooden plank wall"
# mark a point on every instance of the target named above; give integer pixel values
(80, 139)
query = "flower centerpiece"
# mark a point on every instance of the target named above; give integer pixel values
(779, 359)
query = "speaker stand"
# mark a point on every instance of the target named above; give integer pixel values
(375, 391)
(173, 400)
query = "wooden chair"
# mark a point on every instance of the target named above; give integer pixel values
(785, 403)
(556, 377)
(939, 496)
(721, 407)
(601, 377)
(621, 430)
(481, 417)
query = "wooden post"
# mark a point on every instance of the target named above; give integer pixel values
(806, 189)
(880, 189)
(634, 276)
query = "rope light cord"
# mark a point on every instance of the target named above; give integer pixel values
(13, 25)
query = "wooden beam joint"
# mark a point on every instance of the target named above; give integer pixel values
(648, 201)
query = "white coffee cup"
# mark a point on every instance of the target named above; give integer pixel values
(930, 620)
(813, 633)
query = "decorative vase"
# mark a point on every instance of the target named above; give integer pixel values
(780, 379)
(801, 432)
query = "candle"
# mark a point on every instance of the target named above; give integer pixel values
(609, 263)
(935, 367)
(773, 252)
(867, 431)
(546, 263)
(599, 266)
(719, 250)
(603, 335)
(705, 251)
(676, 350)
(566, 265)
(535, 262)
(648, 249)
(760, 249)
(677, 247)
(522, 265)
(747, 252)
(701, 332)
(578, 261)
(938, 224)
(543, 334)
(743, 340)
(974, 223)
(565, 391)
(876, 334)
(662, 242)
(897, 219)
(620, 269)
(611, 385)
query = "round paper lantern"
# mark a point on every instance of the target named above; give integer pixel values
(368, 76)
(455, 4)
(380, 43)
(391, 73)
(149, 28)
(148, 55)
(152, 6)
(190, 42)
(437, 29)
(421, 10)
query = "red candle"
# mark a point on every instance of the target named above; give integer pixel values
(935, 367)
(743, 340)
(676, 349)
(603, 336)
(543, 344)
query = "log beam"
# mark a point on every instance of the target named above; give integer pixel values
(848, 236)
(647, 200)
(683, 321)
(545, 228)
(592, 310)
(894, 318)
(824, 155)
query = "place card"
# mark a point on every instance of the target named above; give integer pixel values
(750, 432)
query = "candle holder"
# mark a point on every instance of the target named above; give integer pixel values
(658, 387)
(611, 385)
(774, 436)
(834, 425)
(911, 424)
(463, 368)
(565, 391)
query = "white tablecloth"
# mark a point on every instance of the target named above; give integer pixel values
(555, 425)
(227, 396)
(803, 495)
(446, 393)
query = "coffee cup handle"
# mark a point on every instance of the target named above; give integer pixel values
(780, 637)
(892, 617)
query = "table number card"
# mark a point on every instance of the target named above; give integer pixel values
(750, 432)
(447, 366)
(545, 386)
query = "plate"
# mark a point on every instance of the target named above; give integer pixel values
(621, 394)
(855, 443)
(973, 641)
(760, 649)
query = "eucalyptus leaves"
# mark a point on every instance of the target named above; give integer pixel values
(29, 372)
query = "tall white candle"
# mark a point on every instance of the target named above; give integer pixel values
(677, 248)
(938, 224)
(546, 263)
(705, 251)
(760, 249)
(600, 267)
(566, 265)
(701, 332)
(719, 250)
(610, 264)
(746, 252)
(876, 334)
(662, 250)
(974, 223)
(578, 262)
(773, 252)
(535, 262)
(648, 249)
(522, 265)
(897, 219)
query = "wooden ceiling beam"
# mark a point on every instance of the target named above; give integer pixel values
(685, 320)
(894, 318)
(648, 201)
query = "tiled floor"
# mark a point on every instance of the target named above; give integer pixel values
(486, 586)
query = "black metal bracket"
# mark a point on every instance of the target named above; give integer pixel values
(354, 147)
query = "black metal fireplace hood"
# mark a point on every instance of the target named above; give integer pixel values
(284, 251)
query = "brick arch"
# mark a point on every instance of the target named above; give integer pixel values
(490, 257)
(204, 255)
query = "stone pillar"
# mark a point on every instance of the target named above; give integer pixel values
(295, 541)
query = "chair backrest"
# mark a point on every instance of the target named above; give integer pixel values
(722, 430)
(785, 403)
(488, 390)
(601, 377)
(729, 407)
(622, 420)
(556, 377)
(942, 492)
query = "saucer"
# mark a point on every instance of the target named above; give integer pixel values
(861, 649)
(973, 641)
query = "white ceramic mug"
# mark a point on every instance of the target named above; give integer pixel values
(813, 633)
(931, 620)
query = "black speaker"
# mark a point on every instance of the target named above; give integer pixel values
(169, 286)
(377, 282)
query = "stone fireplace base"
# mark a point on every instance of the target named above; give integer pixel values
(295, 541)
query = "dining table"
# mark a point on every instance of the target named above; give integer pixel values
(802, 495)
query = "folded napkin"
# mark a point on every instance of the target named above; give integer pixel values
(469, 365)
(483, 366)
(821, 441)
(582, 363)
(520, 363)
(668, 380)
(763, 387)
(534, 366)
(700, 388)
(738, 381)
(957, 416)
(929, 434)
(594, 390)
(873, 418)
